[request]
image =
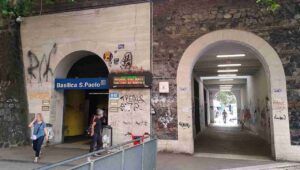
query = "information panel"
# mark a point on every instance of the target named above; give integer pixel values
(100, 83)
(129, 80)
(134, 80)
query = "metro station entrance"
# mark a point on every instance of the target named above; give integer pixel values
(82, 98)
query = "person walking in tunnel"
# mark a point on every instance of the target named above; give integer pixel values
(224, 116)
(38, 135)
(96, 131)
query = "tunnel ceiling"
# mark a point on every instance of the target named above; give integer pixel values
(207, 65)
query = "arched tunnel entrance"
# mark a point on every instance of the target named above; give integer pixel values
(81, 105)
(81, 86)
(225, 70)
(260, 84)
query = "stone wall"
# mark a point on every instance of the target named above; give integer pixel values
(13, 110)
(178, 23)
(66, 5)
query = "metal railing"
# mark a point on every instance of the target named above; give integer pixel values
(125, 156)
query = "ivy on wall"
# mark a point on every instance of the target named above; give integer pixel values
(15, 8)
(271, 5)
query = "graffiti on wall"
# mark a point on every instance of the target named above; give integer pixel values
(132, 103)
(294, 115)
(279, 105)
(40, 69)
(138, 123)
(126, 62)
(283, 117)
(164, 109)
(108, 56)
(184, 125)
(265, 114)
(121, 59)
(166, 118)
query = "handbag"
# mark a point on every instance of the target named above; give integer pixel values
(33, 136)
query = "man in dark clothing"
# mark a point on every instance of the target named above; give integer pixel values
(224, 116)
(96, 130)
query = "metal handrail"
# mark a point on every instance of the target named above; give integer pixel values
(64, 162)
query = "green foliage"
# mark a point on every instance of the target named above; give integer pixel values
(272, 5)
(15, 8)
(226, 98)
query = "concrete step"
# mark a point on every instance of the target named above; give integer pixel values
(272, 166)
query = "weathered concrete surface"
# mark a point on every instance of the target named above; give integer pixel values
(180, 162)
(22, 157)
(231, 140)
(133, 115)
(51, 44)
(49, 154)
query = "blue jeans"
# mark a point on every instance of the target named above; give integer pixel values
(97, 141)
(37, 145)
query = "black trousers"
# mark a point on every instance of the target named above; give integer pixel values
(37, 145)
(96, 142)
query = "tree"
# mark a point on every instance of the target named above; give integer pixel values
(226, 98)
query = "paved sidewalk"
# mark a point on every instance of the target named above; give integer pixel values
(49, 154)
(21, 158)
(168, 161)
(231, 140)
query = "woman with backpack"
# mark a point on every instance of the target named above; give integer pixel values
(39, 133)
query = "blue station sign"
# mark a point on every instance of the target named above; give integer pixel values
(100, 83)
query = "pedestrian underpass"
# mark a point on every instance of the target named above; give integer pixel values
(232, 113)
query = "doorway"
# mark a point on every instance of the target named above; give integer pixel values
(205, 107)
(197, 107)
(225, 109)
(80, 105)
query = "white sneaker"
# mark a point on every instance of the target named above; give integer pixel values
(35, 159)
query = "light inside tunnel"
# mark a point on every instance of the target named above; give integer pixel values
(231, 55)
(227, 75)
(226, 85)
(226, 79)
(229, 65)
(226, 89)
(228, 71)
